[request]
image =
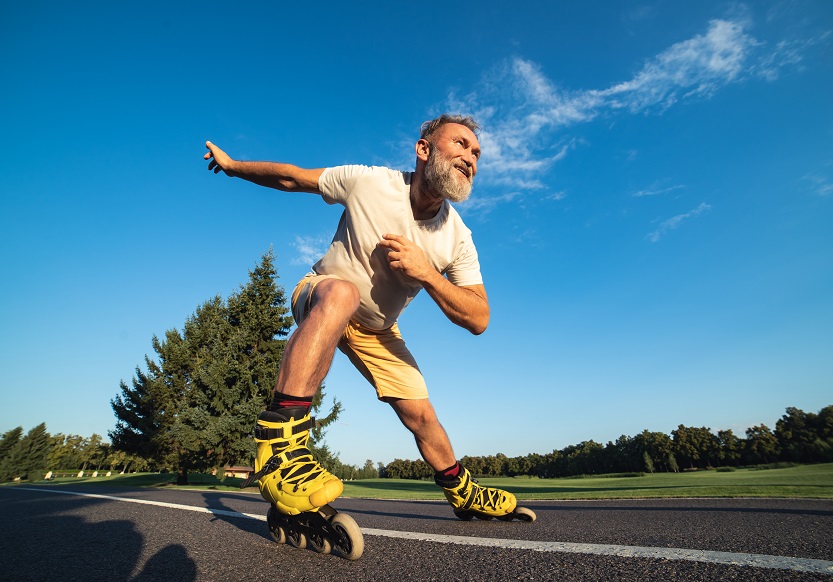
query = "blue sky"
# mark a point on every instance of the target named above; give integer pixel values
(652, 209)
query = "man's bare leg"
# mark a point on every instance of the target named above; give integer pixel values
(419, 417)
(288, 475)
(310, 350)
(463, 493)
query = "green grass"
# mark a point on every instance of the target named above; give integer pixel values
(804, 481)
(807, 481)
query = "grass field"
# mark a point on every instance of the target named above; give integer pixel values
(808, 481)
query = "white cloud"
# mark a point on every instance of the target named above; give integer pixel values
(484, 204)
(675, 221)
(309, 249)
(523, 111)
(655, 190)
(820, 185)
(786, 53)
(698, 66)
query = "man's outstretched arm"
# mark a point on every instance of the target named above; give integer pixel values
(284, 177)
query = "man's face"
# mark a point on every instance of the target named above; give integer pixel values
(452, 162)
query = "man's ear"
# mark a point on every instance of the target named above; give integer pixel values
(423, 148)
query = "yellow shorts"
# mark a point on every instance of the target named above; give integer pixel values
(380, 355)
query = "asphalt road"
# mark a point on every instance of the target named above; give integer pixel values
(48, 534)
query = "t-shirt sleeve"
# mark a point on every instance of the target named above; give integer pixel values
(337, 183)
(465, 269)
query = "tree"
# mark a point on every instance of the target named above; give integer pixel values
(9, 441)
(657, 444)
(761, 445)
(648, 463)
(672, 463)
(195, 407)
(66, 452)
(730, 447)
(796, 435)
(27, 458)
(685, 447)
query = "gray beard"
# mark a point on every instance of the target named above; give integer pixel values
(441, 179)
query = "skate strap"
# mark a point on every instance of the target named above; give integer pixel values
(263, 433)
(274, 463)
(464, 485)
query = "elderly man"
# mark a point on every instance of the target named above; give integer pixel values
(398, 234)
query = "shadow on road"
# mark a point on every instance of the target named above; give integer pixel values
(216, 501)
(41, 540)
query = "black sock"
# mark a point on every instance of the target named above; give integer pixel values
(451, 473)
(283, 407)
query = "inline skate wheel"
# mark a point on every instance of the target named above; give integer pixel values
(296, 538)
(319, 543)
(350, 543)
(525, 514)
(276, 531)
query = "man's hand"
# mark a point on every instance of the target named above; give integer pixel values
(218, 160)
(466, 306)
(405, 256)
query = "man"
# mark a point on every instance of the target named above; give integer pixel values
(398, 234)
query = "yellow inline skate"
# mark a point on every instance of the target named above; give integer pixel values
(472, 500)
(300, 489)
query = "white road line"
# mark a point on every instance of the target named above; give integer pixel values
(731, 558)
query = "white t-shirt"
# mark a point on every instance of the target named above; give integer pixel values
(377, 202)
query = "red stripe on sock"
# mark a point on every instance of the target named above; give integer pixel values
(453, 471)
(293, 403)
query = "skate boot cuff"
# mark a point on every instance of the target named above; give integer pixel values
(286, 430)
(451, 482)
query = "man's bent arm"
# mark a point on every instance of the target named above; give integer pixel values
(466, 306)
(276, 175)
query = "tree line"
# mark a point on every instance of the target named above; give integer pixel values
(799, 437)
(32, 455)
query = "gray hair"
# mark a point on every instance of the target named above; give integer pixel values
(433, 125)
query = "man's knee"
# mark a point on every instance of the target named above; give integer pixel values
(342, 296)
(416, 415)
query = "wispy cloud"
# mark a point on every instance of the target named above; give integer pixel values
(655, 190)
(819, 184)
(675, 221)
(525, 114)
(786, 54)
(309, 249)
(697, 66)
(484, 204)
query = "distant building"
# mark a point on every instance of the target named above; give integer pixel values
(237, 471)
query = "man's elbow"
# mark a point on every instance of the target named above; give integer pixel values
(479, 325)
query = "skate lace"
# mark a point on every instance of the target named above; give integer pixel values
(302, 472)
(487, 497)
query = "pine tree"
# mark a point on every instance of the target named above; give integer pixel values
(27, 458)
(9, 440)
(196, 406)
